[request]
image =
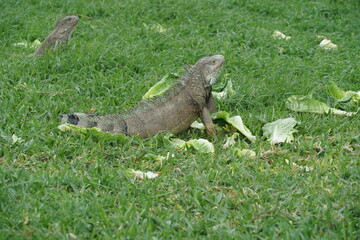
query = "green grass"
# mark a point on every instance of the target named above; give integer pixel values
(57, 185)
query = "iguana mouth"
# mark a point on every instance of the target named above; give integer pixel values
(214, 73)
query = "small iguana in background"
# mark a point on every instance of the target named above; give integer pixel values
(61, 34)
(173, 111)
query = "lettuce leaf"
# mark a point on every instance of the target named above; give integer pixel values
(343, 96)
(200, 145)
(280, 131)
(244, 152)
(236, 122)
(66, 127)
(299, 103)
(230, 140)
(16, 139)
(33, 45)
(228, 90)
(160, 87)
(142, 175)
(197, 125)
(279, 35)
(177, 143)
(327, 44)
(168, 80)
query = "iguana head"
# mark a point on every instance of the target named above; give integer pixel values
(65, 27)
(210, 68)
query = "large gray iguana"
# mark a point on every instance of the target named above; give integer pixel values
(174, 111)
(61, 34)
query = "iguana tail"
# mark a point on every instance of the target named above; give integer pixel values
(108, 123)
(87, 120)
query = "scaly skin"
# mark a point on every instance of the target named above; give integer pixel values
(61, 34)
(174, 112)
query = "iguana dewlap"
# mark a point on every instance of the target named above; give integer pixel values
(174, 111)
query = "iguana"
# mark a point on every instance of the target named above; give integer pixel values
(61, 34)
(173, 111)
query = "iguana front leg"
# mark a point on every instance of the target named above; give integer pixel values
(210, 104)
(207, 121)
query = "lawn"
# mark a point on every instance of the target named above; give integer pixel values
(61, 185)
